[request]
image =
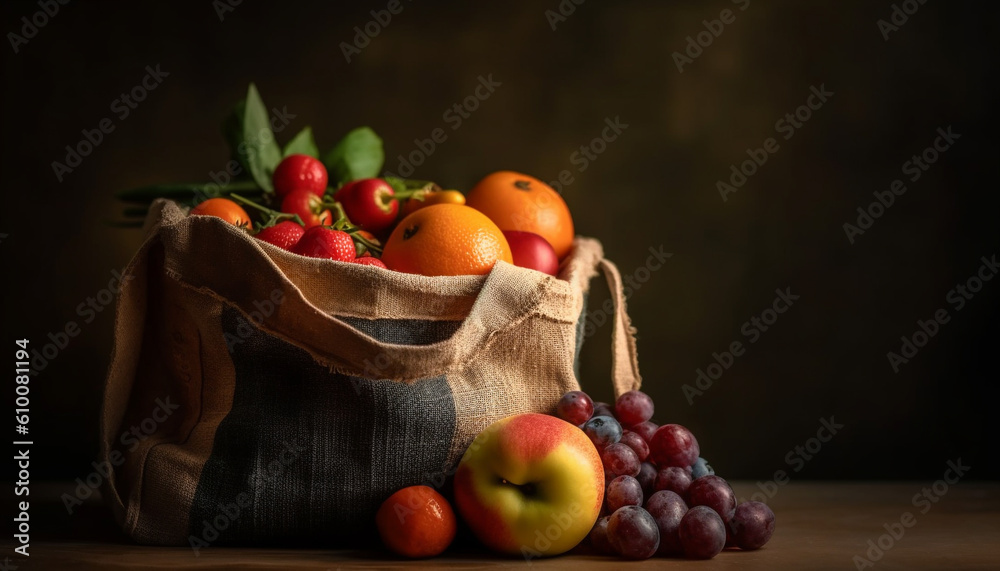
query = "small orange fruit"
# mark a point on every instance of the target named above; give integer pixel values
(432, 197)
(416, 522)
(445, 240)
(516, 201)
(223, 208)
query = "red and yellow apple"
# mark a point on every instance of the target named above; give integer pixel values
(530, 484)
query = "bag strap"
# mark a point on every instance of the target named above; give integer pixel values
(624, 358)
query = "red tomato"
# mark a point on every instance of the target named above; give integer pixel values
(296, 172)
(308, 206)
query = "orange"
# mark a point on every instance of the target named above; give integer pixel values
(418, 201)
(516, 201)
(416, 522)
(223, 208)
(445, 240)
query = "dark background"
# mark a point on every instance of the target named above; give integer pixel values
(653, 186)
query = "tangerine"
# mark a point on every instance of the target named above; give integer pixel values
(223, 208)
(434, 197)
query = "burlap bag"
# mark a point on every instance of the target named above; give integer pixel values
(257, 395)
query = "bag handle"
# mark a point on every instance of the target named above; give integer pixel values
(624, 358)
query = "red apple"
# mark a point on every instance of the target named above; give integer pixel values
(530, 484)
(532, 251)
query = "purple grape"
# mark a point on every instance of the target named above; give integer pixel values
(603, 409)
(667, 509)
(701, 532)
(647, 478)
(599, 537)
(603, 430)
(673, 445)
(620, 460)
(714, 492)
(623, 491)
(752, 525)
(701, 468)
(636, 443)
(575, 407)
(633, 533)
(633, 407)
(645, 430)
(674, 479)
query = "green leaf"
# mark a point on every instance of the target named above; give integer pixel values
(397, 184)
(251, 141)
(302, 144)
(262, 151)
(358, 155)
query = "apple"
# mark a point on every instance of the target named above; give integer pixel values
(530, 484)
(532, 251)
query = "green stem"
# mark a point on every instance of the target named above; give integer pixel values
(344, 223)
(368, 244)
(185, 190)
(274, 215)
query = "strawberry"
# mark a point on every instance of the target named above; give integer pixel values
(284, 235)
(322, 242)
(369, 261)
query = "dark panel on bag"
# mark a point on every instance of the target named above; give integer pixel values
(405, 331)
(308, 456)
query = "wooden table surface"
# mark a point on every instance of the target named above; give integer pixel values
(819, 526)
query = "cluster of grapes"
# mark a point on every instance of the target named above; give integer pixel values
(661, 497)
